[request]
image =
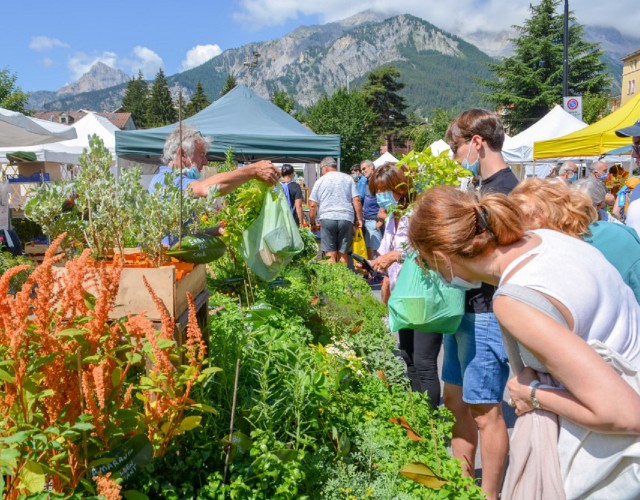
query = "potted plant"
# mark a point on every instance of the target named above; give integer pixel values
(107, 214)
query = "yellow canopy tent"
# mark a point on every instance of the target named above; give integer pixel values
(595, 140)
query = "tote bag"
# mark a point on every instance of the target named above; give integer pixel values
(421, 301)
(359, 246)
(273, 239)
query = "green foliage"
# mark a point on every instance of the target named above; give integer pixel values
(229, 84)
(348, 115)
(427, 170)
(135, 100)
(11, 96)
(283, 100)
(7, 261)
(381, 93)
(426, 133)
(595, 107)
(198, 101)
(530, 82)
(160, 107)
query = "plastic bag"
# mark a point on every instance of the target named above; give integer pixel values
(359, 246)
(421, 301)
(273, 239)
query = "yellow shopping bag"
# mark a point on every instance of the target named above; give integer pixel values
(359, 246)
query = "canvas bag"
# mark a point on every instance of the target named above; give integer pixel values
(359, 246)
(584, 463)
(273, 239)
(421, 301)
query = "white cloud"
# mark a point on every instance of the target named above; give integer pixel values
(41, 43)
(80, 63)
(456, 16)
(200, 54)
(147, 61)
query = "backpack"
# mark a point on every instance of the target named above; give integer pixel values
(287, 194)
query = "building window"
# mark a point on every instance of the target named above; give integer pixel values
(633, 87)
(629, 88)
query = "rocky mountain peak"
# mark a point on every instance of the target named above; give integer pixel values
(100, 76)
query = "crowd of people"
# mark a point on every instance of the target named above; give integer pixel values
(551, 272)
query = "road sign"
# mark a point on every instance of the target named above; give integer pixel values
(573, 105)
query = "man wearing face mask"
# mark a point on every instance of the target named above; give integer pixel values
(568, 172)
(475, 368)
(599, 170)
(194, 157)
(193, 153)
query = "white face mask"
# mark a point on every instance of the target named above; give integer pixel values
(457, 281)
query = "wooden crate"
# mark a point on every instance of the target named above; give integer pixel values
(134, 298)
(35, 251)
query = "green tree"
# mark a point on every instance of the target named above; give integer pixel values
(349, 115)
(11, 96)
(529, 83)
(161, 109)
(135, 100)
(229, 84)
(423, 134)
(198, 102)
(595, 107)
(283, 100)
(381, 92)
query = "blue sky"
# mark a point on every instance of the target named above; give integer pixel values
(48, 44)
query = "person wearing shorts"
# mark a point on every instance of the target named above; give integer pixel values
(335, 203)
(475, 368)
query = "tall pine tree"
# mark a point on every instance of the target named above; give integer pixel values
(381, 92)
(229, 84)
(198, 102)
(530, 82)
(135, 100)
(283, 100)
(161, 109)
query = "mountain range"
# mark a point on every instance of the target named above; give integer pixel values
(439, 69)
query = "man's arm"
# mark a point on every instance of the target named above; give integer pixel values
(358, 207)
(298, 207)
(228, 181)
(313, 209)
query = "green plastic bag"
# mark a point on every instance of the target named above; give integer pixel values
(273, 239)
(421, 301)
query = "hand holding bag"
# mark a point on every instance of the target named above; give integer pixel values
(421, 301)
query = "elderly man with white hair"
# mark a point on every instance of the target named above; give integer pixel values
(599, 170)
(568, 172)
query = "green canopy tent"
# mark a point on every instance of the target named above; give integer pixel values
(251, 126)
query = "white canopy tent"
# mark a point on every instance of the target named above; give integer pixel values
(556, 123)
(68, 152)
(386, 157)
(439, 147)
(19, 130)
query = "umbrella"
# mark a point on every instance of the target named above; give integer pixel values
(19, 130)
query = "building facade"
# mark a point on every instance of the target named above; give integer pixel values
(630, 77)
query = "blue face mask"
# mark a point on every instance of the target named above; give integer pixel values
(386, 200)
(192, 173)
(573, 178)
(474, 167)
(603, 177)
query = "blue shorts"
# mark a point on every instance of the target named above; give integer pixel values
(475, 358)
(372, 236)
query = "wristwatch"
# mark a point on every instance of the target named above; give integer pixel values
(532, 395)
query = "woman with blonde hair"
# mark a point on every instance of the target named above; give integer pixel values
(553, 205)
(554, 293)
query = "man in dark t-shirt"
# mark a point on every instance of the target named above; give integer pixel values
(295, 193)
(475, 368)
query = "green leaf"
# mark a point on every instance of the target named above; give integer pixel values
(83, 426)
(422, 474)
(17, 437)
(90, 301)
(4, 376)
(188, 424)
(134, 495)
(33, 477)
(204, 408)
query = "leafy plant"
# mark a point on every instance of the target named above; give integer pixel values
(78, 403)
